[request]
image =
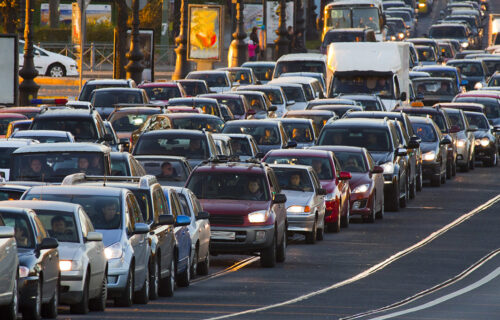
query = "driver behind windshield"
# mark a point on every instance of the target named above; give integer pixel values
(35, 170)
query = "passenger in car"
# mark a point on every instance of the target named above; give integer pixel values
(167, 171)
(59, 229)
(109, 217)
(254, 191)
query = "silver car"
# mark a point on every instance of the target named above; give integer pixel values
(465, 139)
(305, 200)
(243, 146)
(9, 265)
(80, 250)
(199, 229)
(115, 213)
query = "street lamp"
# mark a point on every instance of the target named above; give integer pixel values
(281, 42)
(28, 89)
(181, 64)
(134, 67)
(299, 27)
(312, 32)
(238, 52)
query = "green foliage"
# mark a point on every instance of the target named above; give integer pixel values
(100, 32)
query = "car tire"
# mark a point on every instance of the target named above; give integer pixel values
(194, 264)
(10, 310)
(185, 277)
(142, 296)
(56, 70)
(268, 255)
(371, 218)
(33, 311)
(204, 266)
(393, 203)
(320, 234)
(154, 279)
(413, 188)
(127, 296)
(167, 284)
(82, 307)
(404, 200)
(344, 221)
(420, 180)
(454, 168)
(436, 181)
(281, 252)
(380, 214)
(311, 236)
(491, 162)
(449, 168)
(473, 162)
(99, 303)
(49, 310)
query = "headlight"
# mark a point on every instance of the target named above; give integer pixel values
(23, 272)
(401, 36)
(258, 216)
(298, 209)
(393, 38)
(388, 167)
(361, 188)
(114, 251)
(485, 142)
(429, 156)
(68, 265)
(461, 143)
(422, 5)
(464, 44)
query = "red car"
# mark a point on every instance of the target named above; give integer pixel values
(367, 182)
(6, 118)
(163, 91)
(335, 182)
(29, 112)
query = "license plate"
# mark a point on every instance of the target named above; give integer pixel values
(223, 235)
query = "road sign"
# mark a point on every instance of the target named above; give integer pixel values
(142, 3)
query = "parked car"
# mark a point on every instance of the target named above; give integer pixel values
(49, 63)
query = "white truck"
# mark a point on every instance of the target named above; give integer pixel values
(493, 30)
(380, 68)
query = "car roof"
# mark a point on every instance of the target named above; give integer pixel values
(245, 167)
(65, 112)
(150, 157)
(293, 120)
(377, 114)
(239, 136)
(447, 25)
(434, 78)
(312, 112)
(179, 115)
(291, 166)
(415, 119)
(117, 89)
(146, 110)
(158, 84)
(429, 110)
(302, 57)
(360, 96)
(357, 122)
(77, 190)
(221, 95)
(107, 81)
(340, 148)
(42, 133)
(258, 86)
(16, 143)
(260, 63)
(209, 72)
(294, 79)
(13, 115)
(63, 147)
(176, 132)
(43, 205)
(252, 122)
(463, 60)
(19, 109)
(194, 99)
(436, 67)
(299, 152)
(19, 211)
(480, 94)
(350, 30)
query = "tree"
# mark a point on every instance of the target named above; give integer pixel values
(121, 39)
(9, 10)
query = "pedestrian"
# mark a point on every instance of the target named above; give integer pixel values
(252, 46)
(262, 42)
(255, 38)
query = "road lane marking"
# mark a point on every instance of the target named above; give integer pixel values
(235, 267)
(379, 266)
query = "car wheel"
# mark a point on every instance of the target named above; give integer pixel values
(404, 200)
(10, 310)
(204, 266)
(281, 253)
(393, 203)
(491, 162)
(443, 178)
(413, 188)
(49, 310)
(82, 307)
(380, 214)
(436, 180)
(420, 180)
(142, 296)
(194, 264)
(56, 70)
(473, 162)
(311, 236)
(185, 277)
(33, 311)
(454, 168)
(320, 234)
(167, 285)
(154, 279)
(372, 216)
(449, 168)
(268, 255)
(346, 219)
(99, 303)
(128, 292)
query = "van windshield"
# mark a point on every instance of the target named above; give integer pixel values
(379, 85)
(300, 66)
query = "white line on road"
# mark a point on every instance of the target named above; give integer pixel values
(379, 266)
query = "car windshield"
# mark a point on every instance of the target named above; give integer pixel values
(492, 66)
(294, 94)
(212, 80)
(294, 179)
(263, 134)
(59, 224)
(205, 107)
(6, 194)
(491, 106)
(168, 170)
(240, 76)
(342, 37)
(241, 146)
(163, 93)
(351, 161)
(88, 88)
(229, 186)
(39, 138)
(435, 87)
(469, 69)
(191, 147)
(108, 99)
(54, 166)
(197, 123)
(380, 85)
(103, 211)
(300, 66)
(83, 129)
(128, 122)
(399, 14)
(425, 132)
(456, 119)
(372, 139)
(438, 119)
(263, 73)
(192, 89)
(4, 124)
(23, 232)
(442, 74)
(256, 102)
(321, 165)
(426, 54)
(299, 132)
(5, 158)
(274, 95)
(478, 120)
(447, 32)
(319, 121)
(446, 51)
(235, 105)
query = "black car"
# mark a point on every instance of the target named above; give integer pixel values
(472, 70)
(486, 147)
(433, 146)
(105, 100)
(124, 164)
(380, 138)
(39, 275)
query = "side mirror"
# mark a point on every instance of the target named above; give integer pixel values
(321, 191)
(141, 228)
(402, 152)
(464, 82)
(279, 198)
(454, 129)
(48, 243)
(378, 169)
(413, 144)
(182, 221)
(416, 138)
(290, 102)
(166, 220)
(6, 232)
(344, 175)
(445, 141)
(93, 236)
(272, 108)
(496, 129)
(203, 215)
(291, 145)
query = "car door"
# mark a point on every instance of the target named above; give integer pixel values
(342, 185)
(137, 241)
(181, 233)
(202, 225)
(8, 265)
(94, 251)
(278, 208)
(164, 233)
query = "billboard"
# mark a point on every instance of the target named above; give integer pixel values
(204, 32)
(96, 13)
(9, 65)
(253, 16)
(272, 18)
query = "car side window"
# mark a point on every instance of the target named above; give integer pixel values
(136, 210)
(315, 179)
(129, 220)
(273, 181)
(184, 205)
(338, 167)
(83, 223)
(371, 163)
(159, 203)
(40, 231)
(395, 137)
(176, 207)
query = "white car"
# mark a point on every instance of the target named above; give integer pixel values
(49, 63)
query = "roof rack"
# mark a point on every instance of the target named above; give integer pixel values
(76, 178)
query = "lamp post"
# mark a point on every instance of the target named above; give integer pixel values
(181, 64)
(134, 67)
(28, 89)
(312, 32)
(238, 52)
(281, 42)
(300, 45)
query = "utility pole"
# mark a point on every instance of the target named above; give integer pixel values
(181, 63)
(238, 47)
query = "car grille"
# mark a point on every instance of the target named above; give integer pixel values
(232, 220)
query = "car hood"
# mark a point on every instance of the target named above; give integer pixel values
(297, 198)
(427, 146)
(110, 236)
(482, 133)
(381, 157)
(358, 178)
(68, 250)
(233, 207)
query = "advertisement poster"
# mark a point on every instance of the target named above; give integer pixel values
(96, 13)
(9, 80)
(146, 43)
(204, 32)
(273, 19)
(253, 16)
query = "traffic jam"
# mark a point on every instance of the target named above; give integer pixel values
(124, 195)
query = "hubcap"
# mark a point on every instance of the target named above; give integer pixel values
(56, 71)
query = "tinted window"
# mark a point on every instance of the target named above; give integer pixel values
(193, 89)
(425, 132)
(321, 166)
(5, 157)
(351, 161)
(469, 69)
(59, 225)
(447, 32)
(22, 228)
(456, 120)
(435, 87)
(241, 147)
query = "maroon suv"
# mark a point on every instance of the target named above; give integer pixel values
(246, 206)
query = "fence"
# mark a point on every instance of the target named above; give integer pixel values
(99, 56)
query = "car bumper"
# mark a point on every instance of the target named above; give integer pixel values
(72, 71)
(301, 223)
(246, 239)
(360, 204)
(117, 276)
(71, 287)
(27, 290)
(430, 170)
(485, 153)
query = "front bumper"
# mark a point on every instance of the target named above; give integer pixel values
(71, 287)
(301, 223)
(430, 169)
(72, 72)
(361, 204)
(117, 275)
(485, 153)
(27, 290)
(249, 240)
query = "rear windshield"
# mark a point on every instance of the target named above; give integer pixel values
(241, 76)
(438, 119)
(294, 94)
(162, 93)
(206, 107)
(469, 69)
(83, 129)
(88, 88)
(491, 106)
(343, 37)
(108, 99)
(189, 147)
(436, 87)
(6, 194)
(235, 105)
(321, 165)
(373, 139)
(263, 73)
(456, 120)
